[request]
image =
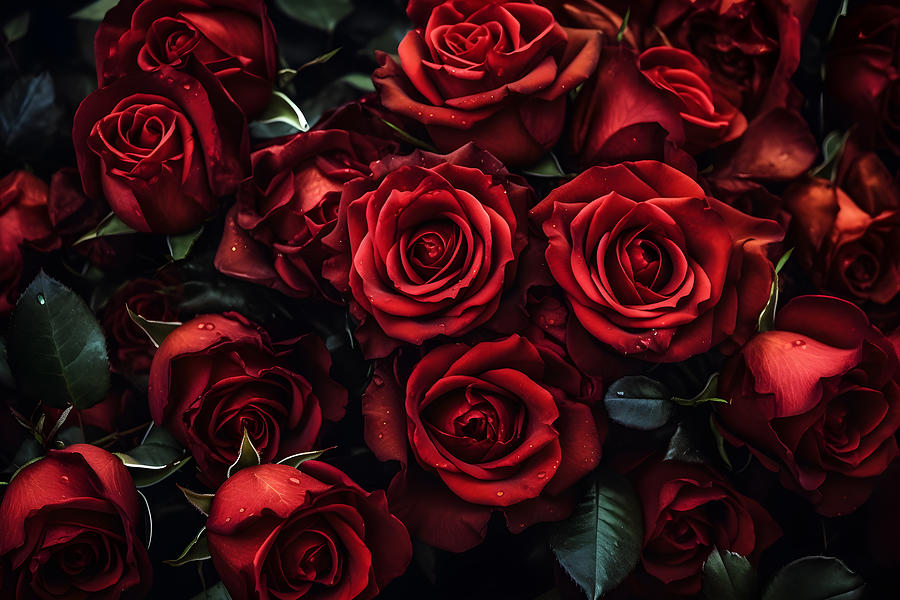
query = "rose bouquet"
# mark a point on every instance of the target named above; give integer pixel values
(490, 299)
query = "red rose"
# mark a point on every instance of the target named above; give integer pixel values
(689, 509)
(162, 148)
(69, 524)
(427, 244)
(220, 375)
(652, 266)
(848, 232)
(864, 70)
(496, 73)
(273, 235)
(817, 399)
(234, 39)
(493, 426)
(278, 532)
(24, 221)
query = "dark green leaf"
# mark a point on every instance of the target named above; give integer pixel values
(202, 502)
(6, 377)
(410, 138)
(728, 576)
(720, 441)
(56, 347)
(832, 146)
(639, 402)
(17, 27)
(815, 578)
(600, 543)
(683, 447)
(360, 81)
(29, 116)
(280, 117)
(95, 11)
(157, 331)
(180, 245)
(247, 456)
(547, 167)
(767, 317)
(28, 452)
(319, 60)
(707, 394)
(842, 11)
(157, 457)
(621, 33)
(295, 460)
(196, 550)
(216, 592)
(110, 225)
(321, 14)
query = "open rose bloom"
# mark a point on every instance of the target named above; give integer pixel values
(441, 299)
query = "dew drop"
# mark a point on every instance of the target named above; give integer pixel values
(187, 86)
(234, 248)
(380, 436)
(541, 474)
(799, 343)
(500, 493)
(294, 480)
(64, 477)
(377, 380)
(228, 519)
(242, 510)
(208, 326)
(41, 300)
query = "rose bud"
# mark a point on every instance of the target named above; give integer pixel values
(234, 39)
(817, 399)
(279, 532)
(217, 376)
(162, 147)
(130, 349)
(273, 235)
(24, 222)
(848, 232)
(496, 73)
(690, 509)
(427, 244)
(496, 426)
(651, 265)
(69, 529)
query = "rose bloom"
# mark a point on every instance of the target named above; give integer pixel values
(273, 235)
(24, 222)
(161, 147)
(220, 375)
(848, 232)
(278, 532)
(494, 426)
(818, 400)
(427, 244)
(690, 509)
(233, 39)
(496, 73)
(863, 71)
(69, 523)
(651, 265)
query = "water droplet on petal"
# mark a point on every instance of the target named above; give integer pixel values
(294, 480)
(228, 519)
(208, 326)
(541, 474)
(500, 493)
(41, 300)
(64, 477)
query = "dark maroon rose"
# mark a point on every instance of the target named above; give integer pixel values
(495, 426)
(278, 532)
(233, 39)
(161, 147)
(24, 222)
(427, 244)
(496, 73)
(217, 376)
(273, 235)
(69, 529)
(817, 399)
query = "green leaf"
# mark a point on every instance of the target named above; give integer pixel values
(295, 460)
(216, 592)
(639, 402)
(600, 543)
(157, 331)
(247, 456)
(728, 576)
(767, 317)
(708, 394)
(682, 446)
(29, 116)
(17, 27)
(815, 578)
(720, 441)
(842, 11)
(157, 457)
(360, 81)
(110, 225)
(319, 59)
(202, 502)
(95, 11)
(197, 549)
(180, 245)
(280, 117)
(547, 167)
(409, 138)
(621, 33)
(783, 260)
(6, 377)
(56, 347)
(321, 14)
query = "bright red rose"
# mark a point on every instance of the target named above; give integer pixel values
(273, 235)
(24, 222)
(427, 244)
(162, 147)
(818, 400)
(279, 532)
(69, 529)
(689, 509)
(220, 375)
(653, 267)
(493, 426)
(496, 73)
(848, 231)
(234, 39)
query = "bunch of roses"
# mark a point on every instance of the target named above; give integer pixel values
(494, 307)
